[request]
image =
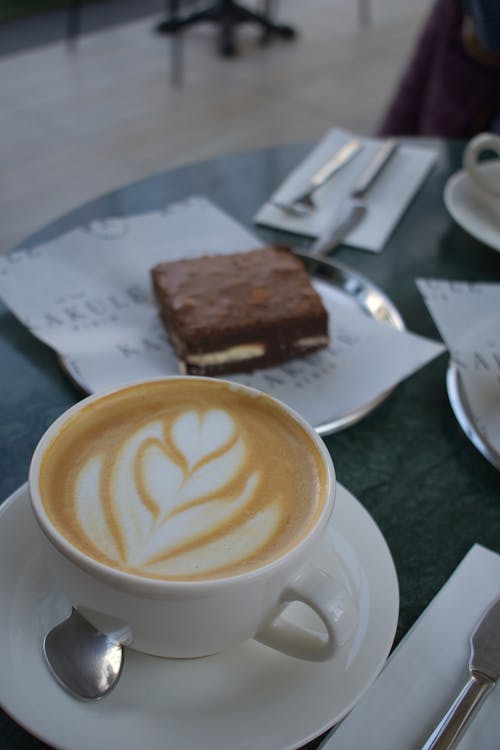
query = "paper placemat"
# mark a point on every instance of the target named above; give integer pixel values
(468, 317)
(386, 200)
(428, 669)
(88, 295)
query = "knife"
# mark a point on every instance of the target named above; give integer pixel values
(339, 228)
(379, 161)
(354, 208)
(484, 668)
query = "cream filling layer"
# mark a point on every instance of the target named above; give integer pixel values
(232, 354)
(310, 341)
(247, 351)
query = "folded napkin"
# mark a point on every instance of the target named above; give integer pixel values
(386, 199)
(468, 318)
(92, 302)
(428, 669)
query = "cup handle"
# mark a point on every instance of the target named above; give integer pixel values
(482, 142)
(330, 600)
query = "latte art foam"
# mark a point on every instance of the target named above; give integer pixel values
(172, 483)
(179, 489)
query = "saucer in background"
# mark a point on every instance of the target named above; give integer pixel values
(472, 208)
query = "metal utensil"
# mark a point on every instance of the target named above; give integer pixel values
(335, 232)
(354, 208)
(379, 161)
(300, 206)
(484, 668)
(86, 662)
(302, 202)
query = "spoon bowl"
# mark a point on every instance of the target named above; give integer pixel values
(85, 661)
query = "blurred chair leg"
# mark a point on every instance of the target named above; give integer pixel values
(175, 21)
(172, 9)
(176, 61)
(228, 14)
(73, 18)
(176, 45)
(364, 12)
(269, 8)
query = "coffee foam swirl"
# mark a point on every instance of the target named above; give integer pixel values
(181, 489)
(167, 498)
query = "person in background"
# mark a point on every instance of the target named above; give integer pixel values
(451, 85)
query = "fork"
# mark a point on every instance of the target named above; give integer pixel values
(305, 206)
(303, 203)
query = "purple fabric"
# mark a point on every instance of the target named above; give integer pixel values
(443, 92)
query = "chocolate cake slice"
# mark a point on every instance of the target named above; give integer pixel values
(239, 312)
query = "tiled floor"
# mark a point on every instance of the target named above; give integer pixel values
(75, 124)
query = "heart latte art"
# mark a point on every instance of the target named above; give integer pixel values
(182, 480)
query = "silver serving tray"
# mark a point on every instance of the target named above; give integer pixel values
(338, 280)
(465, 418)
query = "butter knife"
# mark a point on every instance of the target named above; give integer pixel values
(379, 161)
(484, 668)
(337, 230)
(354, 208)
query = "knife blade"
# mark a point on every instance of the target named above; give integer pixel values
(354, 208)
(484, 669)
(339, 228)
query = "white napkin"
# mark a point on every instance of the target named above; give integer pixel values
(386, 199)
(468, 318)
(428, 669)
(88, 295)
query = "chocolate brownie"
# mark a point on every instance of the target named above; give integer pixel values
(239, 312)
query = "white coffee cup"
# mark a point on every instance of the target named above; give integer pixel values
(188, 617)
(485, 179)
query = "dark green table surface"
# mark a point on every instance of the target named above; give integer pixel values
(430, 491)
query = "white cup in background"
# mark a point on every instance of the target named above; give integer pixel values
(487, 180)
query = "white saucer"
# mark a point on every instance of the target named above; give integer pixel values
(474, 388)
(248, 697)
(472, 208)
(466, 418)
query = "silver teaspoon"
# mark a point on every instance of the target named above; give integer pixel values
(86, 662)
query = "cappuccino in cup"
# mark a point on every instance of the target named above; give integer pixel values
(183, 511)
(180, 480)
